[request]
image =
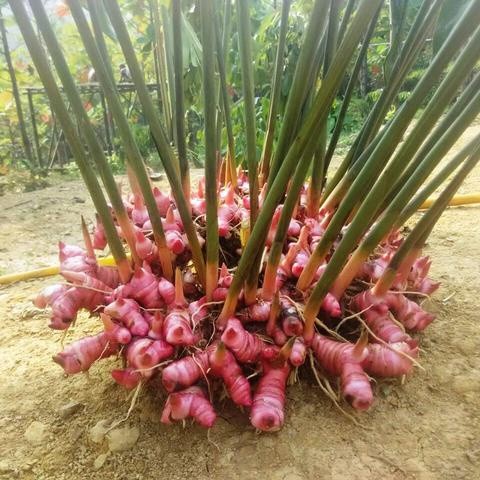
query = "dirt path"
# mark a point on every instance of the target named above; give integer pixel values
(428, 428)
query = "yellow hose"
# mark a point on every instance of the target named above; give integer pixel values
(47, 271)
(110, 262)
(457, 200)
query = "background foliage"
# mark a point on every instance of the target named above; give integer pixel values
(265, 17)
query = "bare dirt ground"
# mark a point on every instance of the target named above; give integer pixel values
(427, 428)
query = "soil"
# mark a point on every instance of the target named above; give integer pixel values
(426, 428)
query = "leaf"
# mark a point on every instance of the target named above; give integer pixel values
(450, 13)
(192, 48)
(6, 99)
(103, 20)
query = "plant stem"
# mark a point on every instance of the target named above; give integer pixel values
(304, 139)
(179, 97)
(162, 67)
(456, 110)
(58, 106)
(221, 56)
(318, 163)
(166, 154)
(298, 92)
(386, 146)
(391, 214)
(349, 92)
(416, 202)
(244, 42)
(208, 49)
(95, 149)
(275, 95)
(418, 236)
(345, 19)
(133, 155)
(369, 132)
(167, 38)
(93, 7)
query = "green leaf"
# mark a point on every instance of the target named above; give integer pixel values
(192, 48)
(103, 20)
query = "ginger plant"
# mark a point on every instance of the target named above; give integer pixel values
(312, 265)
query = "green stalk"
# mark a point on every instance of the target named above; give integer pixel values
(397, 16)
(449, 118)
(93, 7)
(166, 153)
(332, 35)
(219, 52)
(275, 94)
(435, 108)
(160, 52)
(298, 92)
(245, 48)
(312, 83)
(156, 64)
(436, 181)
(418, 236)
(94, 146)
(179, 100)
(168, 56)
(230, 166)
(208, 49)
(349, 91)
(304, 140)
(404, 61)
(318, 172)
(412, 47)
(380, 156)
(133, 155)
(388, 218)
(274, 256)
(345, 19)
(251, 283)
(58, 106)
(291, 200)
(318, 163)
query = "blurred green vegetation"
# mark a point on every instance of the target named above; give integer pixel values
(265, 17)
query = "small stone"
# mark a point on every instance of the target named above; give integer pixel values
(69, 409)
(5, 467)
(122, 438)
(414, 465)
(292, 476)
(36, 433)
(76, 434)
(97, 433)
(99, 461)
(78, 200)
(385, 389)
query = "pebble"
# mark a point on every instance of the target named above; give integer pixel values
(121, 439)
(70, 408)
(5, 467)
(36, 433)
(97, 433)
(99, 461)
